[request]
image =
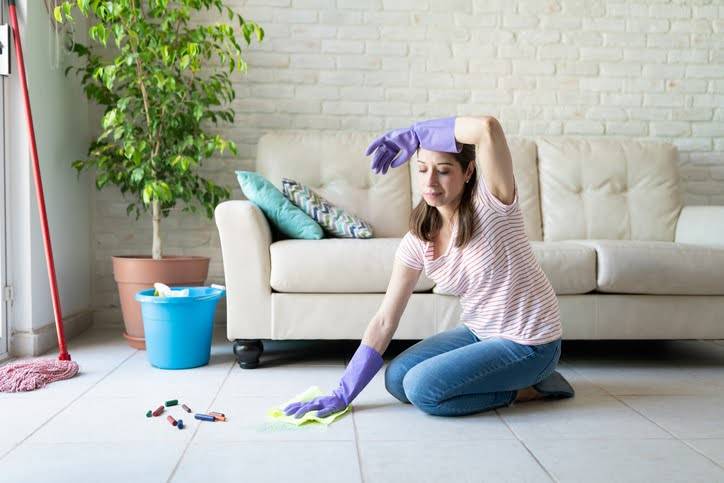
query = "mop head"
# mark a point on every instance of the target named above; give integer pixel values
(34, 374)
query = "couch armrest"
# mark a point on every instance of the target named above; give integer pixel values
(700, 225)
(245, 237)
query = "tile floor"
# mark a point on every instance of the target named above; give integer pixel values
(643, 411)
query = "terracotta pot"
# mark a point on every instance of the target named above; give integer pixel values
(133, 273)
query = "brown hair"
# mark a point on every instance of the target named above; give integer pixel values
(426, 221)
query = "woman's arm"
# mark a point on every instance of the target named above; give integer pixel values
(493, 159)
(384, 324)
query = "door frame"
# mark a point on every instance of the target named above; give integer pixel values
(4, 306)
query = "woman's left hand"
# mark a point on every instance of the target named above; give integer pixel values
(325, 405)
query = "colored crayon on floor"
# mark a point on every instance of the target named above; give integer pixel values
(204, 417)
(149, 413)
(171, 420)
(172, 402)
(180, 424)
(158, 411)
(186, 408)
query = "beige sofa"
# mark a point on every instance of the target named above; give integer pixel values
(604, 217)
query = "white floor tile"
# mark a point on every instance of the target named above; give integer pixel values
(381, 417)
(655, 380)
(624, 460)
(685, 416)
(137, 377)
(712, 448)
(282, 381)
(96, 419)
(580, 417)
(435, 461)
(270, 462)
(140, 462)
(20, 417)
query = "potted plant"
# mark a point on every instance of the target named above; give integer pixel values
(164, 81)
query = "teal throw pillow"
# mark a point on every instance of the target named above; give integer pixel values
(288, 219)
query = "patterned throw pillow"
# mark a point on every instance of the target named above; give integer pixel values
(333, 219)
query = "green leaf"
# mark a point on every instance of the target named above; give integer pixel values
(147, 193)
(57, 14)
(137, 175)
(66, 8)
(109, 120)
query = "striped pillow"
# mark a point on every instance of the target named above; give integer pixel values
(332, 219)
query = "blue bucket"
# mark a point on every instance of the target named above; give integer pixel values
(178, 330)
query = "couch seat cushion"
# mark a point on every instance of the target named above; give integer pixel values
(658, 267)
(335, 265)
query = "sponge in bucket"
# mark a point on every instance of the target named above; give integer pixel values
(277, 413)
(163, 290)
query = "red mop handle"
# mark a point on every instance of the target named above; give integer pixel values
(63, 356)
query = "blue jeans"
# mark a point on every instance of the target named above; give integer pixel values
(453, 373)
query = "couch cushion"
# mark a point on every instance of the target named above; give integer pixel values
(656, 267)
(616, 189)
(570, 267)
(333, 164)
(335, 265)
(525, 170)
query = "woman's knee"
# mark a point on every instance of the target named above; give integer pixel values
(394, 376)
(417, 387)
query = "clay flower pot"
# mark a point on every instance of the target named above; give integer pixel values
(133, 273)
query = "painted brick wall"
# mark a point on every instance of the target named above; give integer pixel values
(645, 69)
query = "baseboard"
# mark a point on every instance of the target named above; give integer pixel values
(40, 341)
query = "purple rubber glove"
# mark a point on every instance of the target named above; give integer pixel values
(437, 135)
(392, 149)
(361, 369)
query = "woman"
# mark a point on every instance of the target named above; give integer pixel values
(469, 237)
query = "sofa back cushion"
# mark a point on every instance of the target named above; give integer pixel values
(333, 164)
(618, 189)
(523, 152)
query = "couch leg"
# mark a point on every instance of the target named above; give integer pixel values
(247, 352)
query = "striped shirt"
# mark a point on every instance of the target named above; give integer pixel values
(502, 288)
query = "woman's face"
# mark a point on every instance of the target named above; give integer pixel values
(441, 177)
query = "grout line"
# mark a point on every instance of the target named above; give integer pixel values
(550, 475)
(198, 426)
(356, 446)
(67, 405)
(676, 438)
(540, 463)
(699, 451)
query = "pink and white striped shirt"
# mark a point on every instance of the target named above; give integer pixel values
(501, 286)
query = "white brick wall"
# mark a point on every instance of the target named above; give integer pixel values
(644, 69)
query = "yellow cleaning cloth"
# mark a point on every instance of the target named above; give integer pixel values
(277, 413)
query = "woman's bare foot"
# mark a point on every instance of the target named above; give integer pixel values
(528, 394)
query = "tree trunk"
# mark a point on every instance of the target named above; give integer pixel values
(156, 251)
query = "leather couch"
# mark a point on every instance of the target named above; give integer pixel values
(604, 217)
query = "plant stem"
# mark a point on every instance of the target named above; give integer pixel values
(156, 230)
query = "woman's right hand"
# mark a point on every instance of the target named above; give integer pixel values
(392, 149)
